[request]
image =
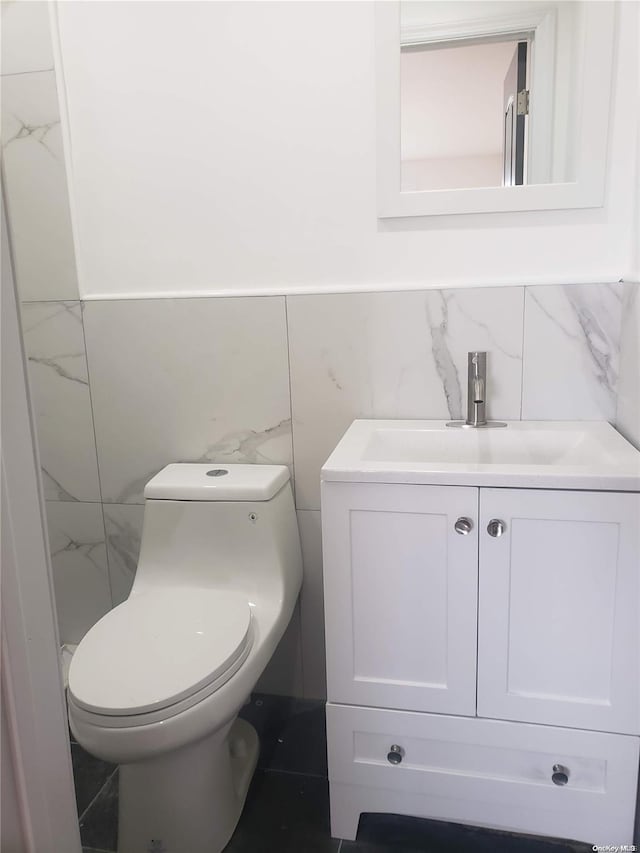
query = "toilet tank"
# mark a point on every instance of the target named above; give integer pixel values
(224, 526)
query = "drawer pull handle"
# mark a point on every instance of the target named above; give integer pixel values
(496, 527)
(395, 754)
(463, 526)
(560, 774)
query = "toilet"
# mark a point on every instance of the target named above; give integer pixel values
(156, 685)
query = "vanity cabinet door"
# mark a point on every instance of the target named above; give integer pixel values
(558, 608)
(401, 596)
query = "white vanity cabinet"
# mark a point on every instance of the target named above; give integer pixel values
(489, 679)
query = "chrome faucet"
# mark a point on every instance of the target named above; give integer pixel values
(476, 394)
(476, 385)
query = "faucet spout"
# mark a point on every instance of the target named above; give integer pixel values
(476, 384)
(476, 393)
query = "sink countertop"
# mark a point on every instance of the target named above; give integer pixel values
(525, 454)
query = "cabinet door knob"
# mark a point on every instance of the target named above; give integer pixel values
(496, 527)
(395, 754)
(463, 526)
(560, 775)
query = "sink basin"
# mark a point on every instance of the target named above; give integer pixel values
(522, 445)
(554, 454)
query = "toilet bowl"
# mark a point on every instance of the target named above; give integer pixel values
(156, 685)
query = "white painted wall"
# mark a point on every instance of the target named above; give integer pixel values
(417, 13)
(635, 239)
(239, 156)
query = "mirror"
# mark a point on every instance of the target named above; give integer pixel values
(492, 106)
(456, 129)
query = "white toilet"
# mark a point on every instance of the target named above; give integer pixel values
(157, 683)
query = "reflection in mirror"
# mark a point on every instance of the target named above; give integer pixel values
(485, 93)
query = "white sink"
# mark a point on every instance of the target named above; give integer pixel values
(555, 454)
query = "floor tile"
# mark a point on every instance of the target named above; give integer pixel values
(99, 826)
(292, 733)
(396, 834)
(284, 813)
(89, 775)
(267, 712)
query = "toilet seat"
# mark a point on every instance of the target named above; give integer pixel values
(158, 650)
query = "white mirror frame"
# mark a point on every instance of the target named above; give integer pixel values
(595, 64)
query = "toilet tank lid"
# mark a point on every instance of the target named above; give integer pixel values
(213, 481)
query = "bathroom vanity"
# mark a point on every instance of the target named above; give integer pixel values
(482, 595)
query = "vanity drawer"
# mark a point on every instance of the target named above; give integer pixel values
(485, 772)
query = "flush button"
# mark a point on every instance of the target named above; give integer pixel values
(217, 472)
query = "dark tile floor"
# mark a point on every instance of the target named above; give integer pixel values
(287, 808)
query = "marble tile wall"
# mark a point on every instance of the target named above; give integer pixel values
(628, 412)
(199, 379)
(34, 173)
(572, 352)
(26, 37)
(79, 561)
(54, 340)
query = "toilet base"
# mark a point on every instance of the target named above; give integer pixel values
(190, 799)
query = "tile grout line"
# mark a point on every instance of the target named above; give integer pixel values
(6, 74)
(104, 785)
(524, 331)
(295, 495)
(625, 290)
(293, 772)
(60, 501)
(293, 455)
(95, 445)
